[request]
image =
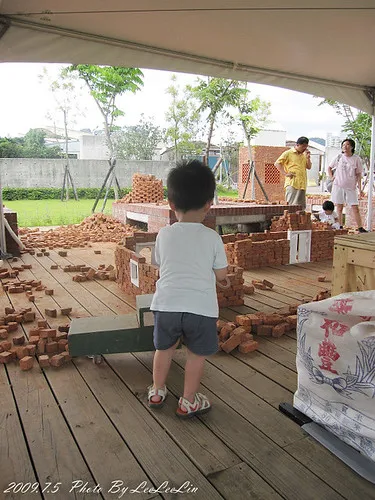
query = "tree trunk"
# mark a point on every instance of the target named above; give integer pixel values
(210, 132)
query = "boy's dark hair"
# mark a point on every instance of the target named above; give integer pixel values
(302, 140)
(351, 142)
(328, 205)
(191, 184)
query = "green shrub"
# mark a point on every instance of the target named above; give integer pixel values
(11, 194)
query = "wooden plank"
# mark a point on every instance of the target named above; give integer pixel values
(157, 453)
(240, 481)
(340, 278)
(277, 353)
(16, 464)
(270, 368)
(364, 241)
(55, 455)
(200, 444)
(267, 459)
(254, 409)
(293, 287)
(259, 384)
(332, 470)
(95, 434)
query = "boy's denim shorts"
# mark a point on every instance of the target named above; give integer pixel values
(199, 332)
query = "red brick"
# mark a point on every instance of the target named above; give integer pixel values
(51, 312)
(292, 320)
(232, 342)
(43, 361)
(31, 348)
(18, 339)
(57, 360)
(29, 316)
(5, 345)
(22, 351)
(41, 346)
(42, 323)
(3, 334)
(264, 330)
(5, 357)
(52, 347)
(248, 346)
(26, 363)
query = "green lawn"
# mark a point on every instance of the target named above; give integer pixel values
(56, 213)
(53, 212)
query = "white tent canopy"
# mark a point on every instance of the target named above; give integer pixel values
(321, 47)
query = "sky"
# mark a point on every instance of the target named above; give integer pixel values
(26, 102)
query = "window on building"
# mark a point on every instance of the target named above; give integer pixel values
(271, 174)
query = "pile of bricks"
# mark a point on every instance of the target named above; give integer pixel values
(50, 346)
(145, 189)
(240, 333)
(96, 228)
(24, 286)
(233, 295)
(233, 335)
(89, 273)
(298, 221)
(257, 250)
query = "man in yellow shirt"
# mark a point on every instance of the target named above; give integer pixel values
(293, 164)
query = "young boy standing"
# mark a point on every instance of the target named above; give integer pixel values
(191, 258)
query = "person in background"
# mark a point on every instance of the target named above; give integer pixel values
(294, 164)
(328, 214)
(346, 174)
(191, 258)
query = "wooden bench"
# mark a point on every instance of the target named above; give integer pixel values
(95, 336)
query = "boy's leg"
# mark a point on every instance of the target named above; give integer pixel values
(193, 374)
(339, 209)
(161, 366)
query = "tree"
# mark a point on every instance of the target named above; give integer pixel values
(216, 96)
(106, 84)
(138, 142)
(253, 115)
(64, 91)
(358, 126)
(183, 122)
(33, 145)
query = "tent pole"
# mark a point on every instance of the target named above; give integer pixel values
(3, 247)
(371, 176)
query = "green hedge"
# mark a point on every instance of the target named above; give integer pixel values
(11, 194)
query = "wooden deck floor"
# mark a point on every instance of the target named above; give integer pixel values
(90, 423)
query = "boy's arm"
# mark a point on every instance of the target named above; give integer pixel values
(220, 266)
(221, 274)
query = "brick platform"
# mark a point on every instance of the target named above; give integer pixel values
(158, 216)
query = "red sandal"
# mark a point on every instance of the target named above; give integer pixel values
(186, 409)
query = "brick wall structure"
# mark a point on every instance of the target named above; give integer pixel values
(159, 215)
(264, 158)
(273, 248)
(148, 274)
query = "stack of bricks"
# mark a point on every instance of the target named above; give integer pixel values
(298, 221)
(250, 252)
(24, 286)
(87, 273)
(322, 243)
(145, 189)
(148, 274)
(96, 228)
(233, 295)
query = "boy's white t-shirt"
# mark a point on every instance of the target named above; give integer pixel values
(187, 253)
(331, 219)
